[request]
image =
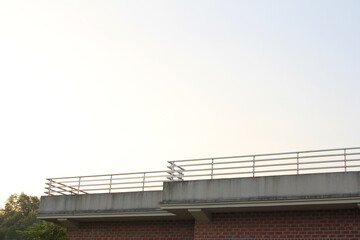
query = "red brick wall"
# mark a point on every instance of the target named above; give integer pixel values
(163, 230)
(329, 224)
(337, 224)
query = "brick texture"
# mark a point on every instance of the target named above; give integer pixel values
(163, 230)
(335, 224)
(326, 224)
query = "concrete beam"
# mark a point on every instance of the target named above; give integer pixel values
(68, 224)
(200, 215)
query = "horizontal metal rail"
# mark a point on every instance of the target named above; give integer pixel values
(287, 163)
(302, 162)
(111, 183)
(267, 154)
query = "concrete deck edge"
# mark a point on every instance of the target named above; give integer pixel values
(266, 203)
(161, 213)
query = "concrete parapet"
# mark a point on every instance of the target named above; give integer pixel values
(264, 188)
(100, 203)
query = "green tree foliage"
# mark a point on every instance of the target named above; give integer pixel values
(44, 230)
(19, 213)
(18, 220)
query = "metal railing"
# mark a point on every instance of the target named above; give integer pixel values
(111, 183)
(289, 163)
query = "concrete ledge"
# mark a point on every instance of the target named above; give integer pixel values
(275, 205)
(114, 216)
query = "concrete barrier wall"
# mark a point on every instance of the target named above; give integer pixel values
(264, 188)
(92, 203)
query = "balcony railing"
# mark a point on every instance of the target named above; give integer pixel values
(289, 163)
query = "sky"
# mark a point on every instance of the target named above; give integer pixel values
(101, 87)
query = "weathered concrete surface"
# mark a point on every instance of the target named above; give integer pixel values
(263, 188)
(100, 203)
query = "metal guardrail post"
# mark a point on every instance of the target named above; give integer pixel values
(172, 171)
(254, 166)
(110, 183)
(212, 168)
(143, 187)
(345, 159)
(79, 185)
(181, 175)
(297, 163)
(50, 186)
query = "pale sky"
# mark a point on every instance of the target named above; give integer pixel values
(100, 87)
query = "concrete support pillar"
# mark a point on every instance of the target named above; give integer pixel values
(200, 214)
(68, 224)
